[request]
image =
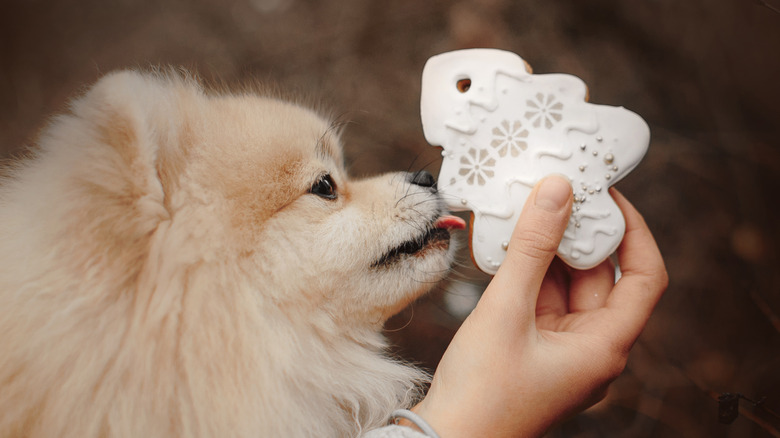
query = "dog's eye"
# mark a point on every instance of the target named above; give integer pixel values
(324, 187)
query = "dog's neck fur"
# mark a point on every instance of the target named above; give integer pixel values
(154, 369)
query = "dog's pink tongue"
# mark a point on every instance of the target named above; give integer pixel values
(450, 223)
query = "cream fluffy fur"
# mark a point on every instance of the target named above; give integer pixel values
(164, 271)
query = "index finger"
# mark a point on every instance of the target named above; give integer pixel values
(644, 278)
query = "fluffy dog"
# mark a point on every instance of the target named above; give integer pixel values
(178, 262)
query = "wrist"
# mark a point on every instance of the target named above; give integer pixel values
(451, 423)
(443, 421)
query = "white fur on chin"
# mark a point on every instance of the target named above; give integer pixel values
(165, 272)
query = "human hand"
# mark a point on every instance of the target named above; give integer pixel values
(544, 342)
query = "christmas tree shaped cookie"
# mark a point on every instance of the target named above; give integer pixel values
(502, 129)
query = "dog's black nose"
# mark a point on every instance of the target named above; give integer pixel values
(422, 178)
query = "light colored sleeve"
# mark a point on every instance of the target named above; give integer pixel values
(394, 431)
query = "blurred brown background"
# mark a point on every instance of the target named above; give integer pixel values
(703, 73)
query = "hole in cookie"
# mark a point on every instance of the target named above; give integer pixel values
(464, 85)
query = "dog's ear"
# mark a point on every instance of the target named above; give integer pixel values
(123, 110)
(142, 118)
(107, 150)
(139, 120)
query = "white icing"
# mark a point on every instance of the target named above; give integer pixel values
(512, 128)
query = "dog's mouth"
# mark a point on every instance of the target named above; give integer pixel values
(436, 236)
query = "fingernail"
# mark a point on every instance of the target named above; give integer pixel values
(553, 193)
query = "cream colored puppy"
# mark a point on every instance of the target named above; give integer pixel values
(180, 263)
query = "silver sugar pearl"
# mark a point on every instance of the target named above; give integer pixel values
(614, 168)
(504, 245)
(464, 202)
(582, 168)
(599, 138)
(583, 146)
(609, 158)
(607, 176)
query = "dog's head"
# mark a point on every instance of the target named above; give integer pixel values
(261, 182)
(258, 183)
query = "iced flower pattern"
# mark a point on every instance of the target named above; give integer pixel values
(509, 138)
(544, 110)
(476, 166)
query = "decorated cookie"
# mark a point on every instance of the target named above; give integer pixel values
(502, 129)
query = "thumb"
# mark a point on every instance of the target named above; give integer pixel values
(534, 243)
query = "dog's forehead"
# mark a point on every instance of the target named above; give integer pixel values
(268, 123)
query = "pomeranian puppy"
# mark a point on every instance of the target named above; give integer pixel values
(179, 262)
